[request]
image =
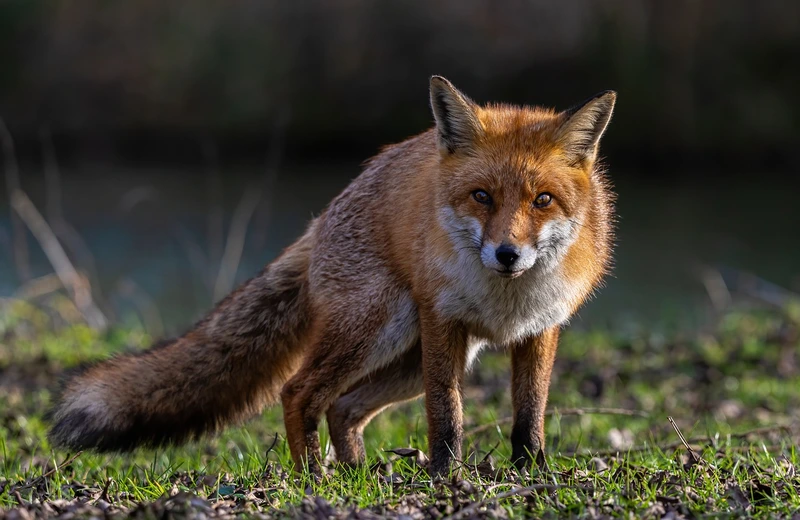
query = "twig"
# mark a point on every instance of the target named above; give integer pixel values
(761, 431)
(46, 285)
(234, 244)
(196, 256)
(617, 451)
(489, 453)
(249, 204)
(564, 412)
(517, 492)
(20, 244)
(104, 495)
(48, 473)
(692, 453)
(54, 212)
(5, 242)
(147, 308)
(483, 427)
(716, 288)
(765, 447)
(707, 441)
(760, 289)
(274, 159)
(75, 283)
(69, 460)
(37, 287)
(271, 446)
(52, 175)
(216, 221)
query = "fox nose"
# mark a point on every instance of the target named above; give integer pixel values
(506, 255)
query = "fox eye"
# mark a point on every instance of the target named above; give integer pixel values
(542, 200)
(482, 197)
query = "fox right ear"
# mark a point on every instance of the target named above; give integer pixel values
(457, 124)
(584, 125)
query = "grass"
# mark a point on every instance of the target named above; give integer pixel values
(732, 389)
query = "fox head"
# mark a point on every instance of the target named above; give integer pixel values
(517, 184)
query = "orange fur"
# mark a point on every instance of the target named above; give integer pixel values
(442, 245)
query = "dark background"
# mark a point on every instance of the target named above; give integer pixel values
(161, 138)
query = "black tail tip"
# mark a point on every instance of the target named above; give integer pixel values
(83, 430)
(74, 431)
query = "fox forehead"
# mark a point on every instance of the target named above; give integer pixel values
(517, 150)
(525, 132)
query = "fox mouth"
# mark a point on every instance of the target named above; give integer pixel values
(507, 273)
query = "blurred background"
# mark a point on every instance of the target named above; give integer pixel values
(172, 148)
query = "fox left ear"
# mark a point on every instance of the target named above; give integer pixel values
(457, 124)
(584, 125)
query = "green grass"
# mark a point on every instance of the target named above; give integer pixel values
(741, 375)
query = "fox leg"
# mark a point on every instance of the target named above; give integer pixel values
(444, 359)
(305, 398)
(335, 362)
(349, 415)
(531, 365)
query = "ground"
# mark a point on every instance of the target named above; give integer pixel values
(731, 389)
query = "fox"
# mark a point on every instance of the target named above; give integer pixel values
(493, 227)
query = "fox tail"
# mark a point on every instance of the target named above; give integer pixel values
(228, 367)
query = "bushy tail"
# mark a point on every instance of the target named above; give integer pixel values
(231, 365)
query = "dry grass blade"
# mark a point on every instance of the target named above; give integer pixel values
(419, 457)
(563, 412)
(770, 448)
(761, 431)
(66, 462)
(234, 245)
(716, 288)
(597, 411)
(74, 282)
(271, 446)
(38, 287)
(65, 232)
(708, 441)
(106, 487)
(686, 445)
(20, 244)
(50, 472)
(215, 225)
(145, 305)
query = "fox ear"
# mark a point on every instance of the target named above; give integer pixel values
(584, 125)
(457, 124)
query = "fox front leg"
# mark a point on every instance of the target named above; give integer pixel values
(531, 366)
(444, 356)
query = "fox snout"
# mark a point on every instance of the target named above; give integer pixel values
(508, 259)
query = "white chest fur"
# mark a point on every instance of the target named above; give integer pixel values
(507, 310)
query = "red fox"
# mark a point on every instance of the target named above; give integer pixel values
(493, 227)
